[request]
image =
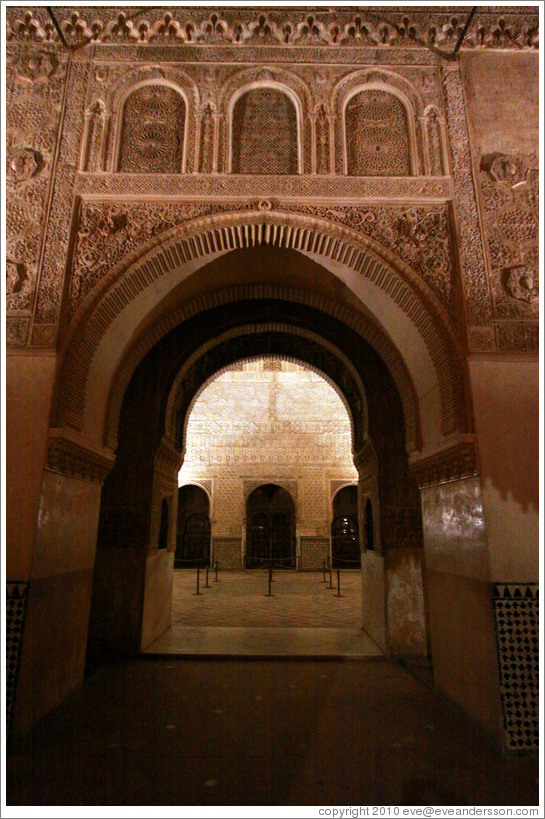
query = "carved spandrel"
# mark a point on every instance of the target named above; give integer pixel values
(122, 228)
(420, 236)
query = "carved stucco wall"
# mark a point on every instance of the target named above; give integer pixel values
(254, 424)
(504, 136)
(62, 112)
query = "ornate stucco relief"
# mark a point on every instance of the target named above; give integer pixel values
(419, 235)
(35, 80)
(509, 189)
(470, 244)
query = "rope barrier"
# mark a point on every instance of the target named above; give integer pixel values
(264, 562)
(346, 560)
(190, 559)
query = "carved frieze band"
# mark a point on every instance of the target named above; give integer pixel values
(448, 465)
(508, 28)
(470, 247)
(417, 189)
(69, 458)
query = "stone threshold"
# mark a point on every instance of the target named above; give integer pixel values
(264, 643)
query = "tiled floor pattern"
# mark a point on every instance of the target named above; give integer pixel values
(300, 599)
(239, 732)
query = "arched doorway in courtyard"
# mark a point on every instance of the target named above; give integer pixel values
(193, 528)
(270, 528)
(345, 535)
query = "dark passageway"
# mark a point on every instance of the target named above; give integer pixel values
(186, 732)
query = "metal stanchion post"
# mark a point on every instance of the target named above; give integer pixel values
(206, 585)
(338, 582)
(198, 582)
(330, 579)
(216, 567)
(270, 594)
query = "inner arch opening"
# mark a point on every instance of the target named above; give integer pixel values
(270, 420)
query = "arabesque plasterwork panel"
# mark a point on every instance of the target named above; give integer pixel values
(509, 189)
(419, 235)
(34, 84)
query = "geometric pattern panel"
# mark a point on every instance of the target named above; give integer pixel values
(376, 135)
(152, 136)
(313, 553)
(227, 552)
(264, 135)
(16, 598)
(516, 609)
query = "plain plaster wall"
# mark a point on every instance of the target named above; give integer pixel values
(29, 382)
(506, 401)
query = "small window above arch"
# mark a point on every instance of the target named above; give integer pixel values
(264, 136)
(151, 137)
(377, 135)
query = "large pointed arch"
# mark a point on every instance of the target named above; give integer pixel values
(394, 310)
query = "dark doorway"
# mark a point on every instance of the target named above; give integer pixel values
(193, 538)
(270, 528)
(345, 541)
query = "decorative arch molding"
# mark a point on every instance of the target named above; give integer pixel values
(265, 77)
(202, 367)
(336, 486)
(204, 485)
(390, 83)
(210, 237)
(115, 100)
(289, 486)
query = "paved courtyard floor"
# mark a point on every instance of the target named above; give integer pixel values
(239, 598)
(235, 616)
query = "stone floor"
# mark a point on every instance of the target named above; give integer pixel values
(304, 616)
(239, 598)
(179, 732)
